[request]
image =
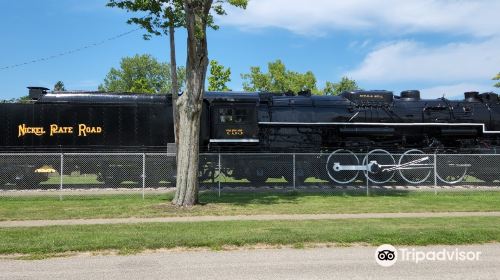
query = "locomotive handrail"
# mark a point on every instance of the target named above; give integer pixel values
(481, 125)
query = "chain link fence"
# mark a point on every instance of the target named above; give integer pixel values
(139, 174)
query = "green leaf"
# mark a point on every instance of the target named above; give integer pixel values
(345, 84)
(279, 79)
(141, 74)
(497, 77)
(219, 76)
(59, 86)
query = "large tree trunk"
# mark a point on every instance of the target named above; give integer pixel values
(189, 104)
(187, 159)
(175, 83)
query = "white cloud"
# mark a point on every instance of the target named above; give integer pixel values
(454, 91)
(412, 61)
(316, 17)
(451, 68)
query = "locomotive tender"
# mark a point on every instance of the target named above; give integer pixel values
(334, 126)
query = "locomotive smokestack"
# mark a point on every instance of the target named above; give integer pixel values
(410, 95)
(471, 96)
(36, 92)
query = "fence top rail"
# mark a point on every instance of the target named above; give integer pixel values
(30, 154)
(118, 154)
(476, 155)
(87, 154)
(216, 154)
(328, 153)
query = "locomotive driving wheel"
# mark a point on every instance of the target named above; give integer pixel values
(342, 157)
(451, 169)
(416, 173)
(382, 157)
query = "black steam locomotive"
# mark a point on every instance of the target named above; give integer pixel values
(333, 126)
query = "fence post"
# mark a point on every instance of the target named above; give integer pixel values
(61, 177)
(368, 183)
(294, 171)
(435, 173)
(219, 175)
(143, 174)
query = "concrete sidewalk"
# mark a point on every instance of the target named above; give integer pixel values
(298, 217)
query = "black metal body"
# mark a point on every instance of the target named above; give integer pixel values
(132, 123)
(359, 120)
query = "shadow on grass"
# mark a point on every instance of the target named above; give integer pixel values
(266, 197)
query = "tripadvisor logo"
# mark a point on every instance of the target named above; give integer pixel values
(386, 255)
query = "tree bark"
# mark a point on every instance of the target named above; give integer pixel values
(175, 83)
(189, 104)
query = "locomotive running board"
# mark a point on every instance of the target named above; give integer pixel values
(481, 125)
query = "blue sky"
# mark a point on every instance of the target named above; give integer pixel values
(439, 47)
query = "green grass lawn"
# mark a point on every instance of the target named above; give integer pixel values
(73, 180)
(86, 179)
(131, 238)
(92, 180)
(248, 203)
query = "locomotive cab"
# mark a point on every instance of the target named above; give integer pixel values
(233, 119)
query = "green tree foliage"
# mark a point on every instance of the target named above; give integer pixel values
(156, 15)
(140, 73)
(497, 77)
(345, 84)
(219, 76)
(59, 86)
(279, 79)
(24, 99)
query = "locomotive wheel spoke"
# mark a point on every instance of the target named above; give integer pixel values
(384, 158)
(343, 157)
(414, 174)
